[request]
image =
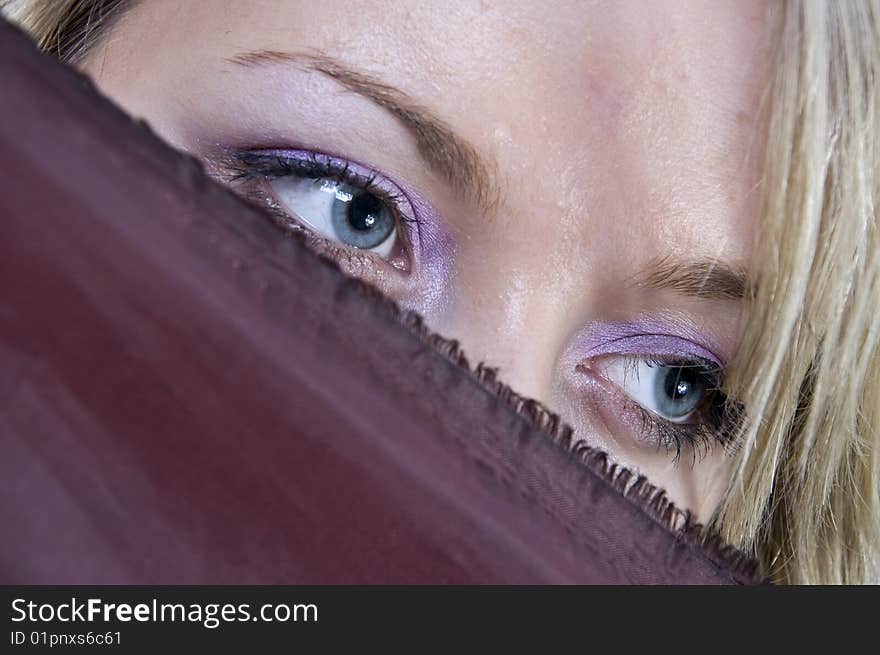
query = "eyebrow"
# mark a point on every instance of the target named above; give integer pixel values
(445, 152)
(705, 280)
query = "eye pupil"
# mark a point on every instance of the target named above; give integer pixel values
(364, 211)
(679, 383)
(676, 387)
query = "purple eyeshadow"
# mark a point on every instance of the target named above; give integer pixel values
(433, 246)
(647, 336)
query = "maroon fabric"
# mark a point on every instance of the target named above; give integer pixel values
(188, 397)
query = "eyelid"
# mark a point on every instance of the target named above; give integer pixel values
(650, 344)
(261, 167)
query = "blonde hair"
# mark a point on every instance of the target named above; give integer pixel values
(66, 29)
(805, 495)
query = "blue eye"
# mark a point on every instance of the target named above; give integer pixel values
(674, 391)
(341, 212)
(347, 206)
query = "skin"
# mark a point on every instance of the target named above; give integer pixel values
(614, 135)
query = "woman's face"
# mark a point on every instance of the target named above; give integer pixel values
(567, 188)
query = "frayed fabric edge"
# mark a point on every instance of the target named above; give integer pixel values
(650, 498)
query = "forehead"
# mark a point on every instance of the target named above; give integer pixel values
(640, 112)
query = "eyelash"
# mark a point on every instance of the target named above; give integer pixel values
(245, 167)
(718, 416)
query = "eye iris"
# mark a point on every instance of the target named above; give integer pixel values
(360, 219)
(682, 391)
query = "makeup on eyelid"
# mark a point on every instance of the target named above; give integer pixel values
(431, 246)
(647, 335)
(601, 360)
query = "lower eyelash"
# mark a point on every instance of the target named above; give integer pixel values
(722, 429)
(719, 424)
(698, 438)
(322, 245)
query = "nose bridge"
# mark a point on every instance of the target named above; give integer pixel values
(514, 285)
(505, 320)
